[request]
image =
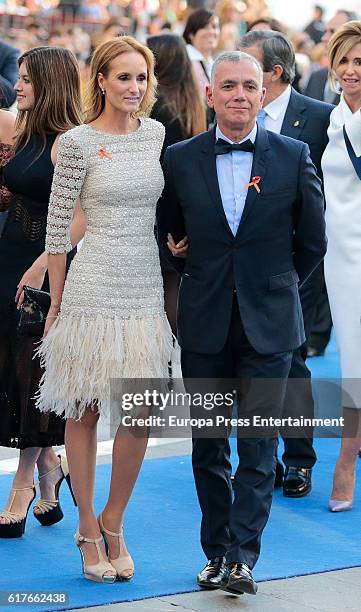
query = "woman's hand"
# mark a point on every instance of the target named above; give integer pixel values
(180, 249)
(51, 318)
(33, 277)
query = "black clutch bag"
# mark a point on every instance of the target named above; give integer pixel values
(33, 312)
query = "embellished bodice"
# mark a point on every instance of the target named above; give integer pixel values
(118, 179)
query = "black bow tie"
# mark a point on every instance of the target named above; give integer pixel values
(221, 147)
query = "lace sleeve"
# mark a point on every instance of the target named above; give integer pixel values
(68, 179)
(6, 153)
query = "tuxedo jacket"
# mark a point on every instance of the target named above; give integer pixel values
(8, 74)
(280, 240)
(308, 120)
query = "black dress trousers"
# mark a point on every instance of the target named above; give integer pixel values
(299, 451)
(234, 527)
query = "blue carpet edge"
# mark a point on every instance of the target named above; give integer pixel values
(196, 590)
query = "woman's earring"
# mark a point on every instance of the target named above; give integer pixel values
(103, 91)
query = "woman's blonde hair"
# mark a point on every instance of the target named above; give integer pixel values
(101, 60)
(341, 43)
(55, 79)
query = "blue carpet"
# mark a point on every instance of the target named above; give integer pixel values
(162, 529)
(327, 366)
(162, 525)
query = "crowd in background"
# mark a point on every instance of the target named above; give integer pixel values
(80, 25)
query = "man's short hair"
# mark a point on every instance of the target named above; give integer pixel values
(276, 49)
(236, 56)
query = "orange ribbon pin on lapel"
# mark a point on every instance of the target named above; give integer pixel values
(104, 153)
(254, 183)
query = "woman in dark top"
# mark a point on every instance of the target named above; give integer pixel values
(179, 104)
(201, 33)
(48, 93)
(182, 111)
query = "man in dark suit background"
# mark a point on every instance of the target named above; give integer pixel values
(287, 112)
(8, 74)
(315, 29)
(317, 86)
(251, 205)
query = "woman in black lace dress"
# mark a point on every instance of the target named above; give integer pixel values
(48, 95)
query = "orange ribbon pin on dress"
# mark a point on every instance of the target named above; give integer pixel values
(104, 153)
(254, 183)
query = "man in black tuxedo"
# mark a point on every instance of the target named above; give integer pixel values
(251, 205)
(287, 112)
(9, 72)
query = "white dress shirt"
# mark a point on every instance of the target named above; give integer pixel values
(276, 110)
(234, 173)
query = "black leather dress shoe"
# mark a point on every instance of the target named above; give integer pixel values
(297, 482)
(212, 575)
(279, 475)
(239, 580)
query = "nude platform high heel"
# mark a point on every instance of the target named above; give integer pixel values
(15, 526)
(123, 562)
(95, 572)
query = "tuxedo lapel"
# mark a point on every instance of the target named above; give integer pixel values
(259, 169)
(209, 171)
(294, 119)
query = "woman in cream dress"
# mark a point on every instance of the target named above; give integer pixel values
(108, 320)
(343, 258)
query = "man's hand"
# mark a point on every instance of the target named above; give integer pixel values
(33, 277)
(180, 249)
